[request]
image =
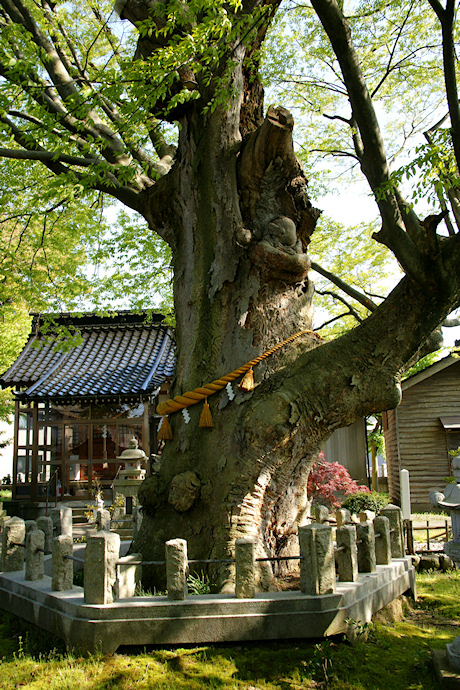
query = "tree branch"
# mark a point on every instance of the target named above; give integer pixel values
(350, 291)
(351, 310)
(334, 318)
(446, 18)
(392, 52)
(450, 323)
(55, 163)
(405, 245)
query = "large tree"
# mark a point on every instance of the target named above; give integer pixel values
(230, 199)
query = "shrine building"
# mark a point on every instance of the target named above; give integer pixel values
(80, 399)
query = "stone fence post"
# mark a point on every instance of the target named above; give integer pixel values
(245, 569)
(14, 532)
(62, 567)
(46, 526)
(100, 571)
(62, 521)
(35, 547)
(393, 513)
(317, 566)
(176, 568)
(103, 520)
(366, 547)
(382, 540)
(31, 526)
(347, 557)
(321, 514)
(343, 517)
(129, 574)
(366, 516)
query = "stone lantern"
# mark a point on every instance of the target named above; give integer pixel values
(449, 499)
(128, 480)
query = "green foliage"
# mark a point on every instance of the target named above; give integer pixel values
(65, 255)
(374, 501)
(424, 362)
(198, 583)
(5, 494)
(119, 502)
(449, 480)
(14, 329)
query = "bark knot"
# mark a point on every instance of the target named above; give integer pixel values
(184, 491)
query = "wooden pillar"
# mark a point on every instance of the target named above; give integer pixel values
(90, 449)
(145, 429)
(34, 472)
(14, 477)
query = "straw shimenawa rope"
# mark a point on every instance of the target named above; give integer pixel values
(192, 397)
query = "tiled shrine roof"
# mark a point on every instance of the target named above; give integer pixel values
(122, 355)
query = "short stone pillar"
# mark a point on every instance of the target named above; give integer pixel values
(382, 540)
(46, 526)
(365, 538)
(31, 526)
(321, 514)
(137, 520)
(100, 571)
(393, 513)
(366, 516)
(118, 518)
(347, 558)
(14, 533)
(129, 574)
(61, 565)
(103, 520)
(245, 569)
(62, 521)
(176, 568)
(35, 547)
(317, 565)
(343, 517)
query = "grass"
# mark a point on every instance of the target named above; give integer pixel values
(395, 655)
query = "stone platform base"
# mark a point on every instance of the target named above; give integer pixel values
(202, 619)
(448, 678)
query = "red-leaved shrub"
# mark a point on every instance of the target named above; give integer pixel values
(329, 482)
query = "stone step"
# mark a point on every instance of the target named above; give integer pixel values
(80, 511)
(79, 519)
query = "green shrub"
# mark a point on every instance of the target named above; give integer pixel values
(362, 500)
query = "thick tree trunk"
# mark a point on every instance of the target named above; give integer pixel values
(242, 222)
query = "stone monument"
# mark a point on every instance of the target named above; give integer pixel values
(129, 480)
